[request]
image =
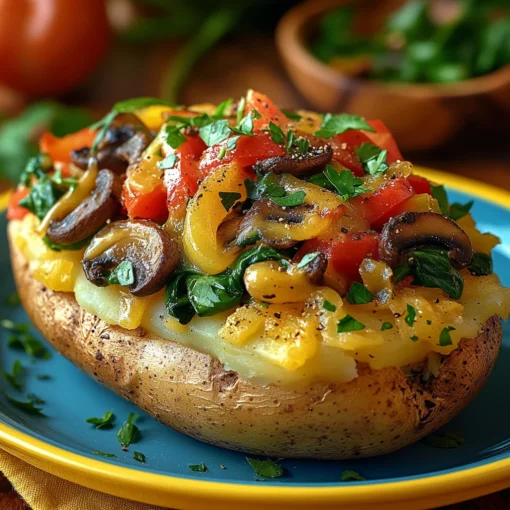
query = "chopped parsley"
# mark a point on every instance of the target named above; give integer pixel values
(277, 134)
(168, 162)
(349, 323)
(336, 124)
(228, 199)
(266, 468)
(103, 454)
(21, 338)
(411, 315)
(140, 457)
(358, 294)
(307, 259)
(268, 187)
(454, 211)
(291, 139)
(245, 126)
(222, 107)
(414, 338)
(444, 337)
(386, 325)
(291, 115)
(445, 440)
(129, 433)
(303, 145)
(29, 406)
(330, 307)
(439, 193)
(174, 137)
(201, 468)
(105, 421)
(344, 183)
(12, 377)
(215, 132)
(222, 152)
(290, 200)
(231, 142)
(351, 476)
(373, 158)
(12, 300)
(123, 274)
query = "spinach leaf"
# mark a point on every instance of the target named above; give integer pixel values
(481, 264)
(191, 292)
(431, 267)
(458, 211)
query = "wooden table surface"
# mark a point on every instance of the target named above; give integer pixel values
(251, 61)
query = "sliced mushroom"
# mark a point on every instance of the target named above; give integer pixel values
(151, 250)
(84, 221)
(272, 224)
(316, 268)
(314, 161)
(412, 230)
(123, 145)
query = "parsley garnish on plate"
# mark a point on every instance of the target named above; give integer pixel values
(266, 468)
(129, 433)
(351, 476)
(344, 183)
(104, 454)
(105, 421)
(21, 338)
(201, 468)
(29, 406)
(358, 294)
(140, 457)
(12, 377)
(349, 323)
(12, 300)
(309, 257)
(386, 325)
(168, 162)
(291, 115)
(444, 440)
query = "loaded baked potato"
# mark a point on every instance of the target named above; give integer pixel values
(268, 281)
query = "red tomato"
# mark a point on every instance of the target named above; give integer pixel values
(50, 46)
(378, 206)
(248, 150)
(348, 159)
(59, 149)
(14, 210)
(345, 254)
(268, 110)
(382, 138)
(419, 184)
(151, 206)
(182, 181)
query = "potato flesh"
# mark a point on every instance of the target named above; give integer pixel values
(270, 352)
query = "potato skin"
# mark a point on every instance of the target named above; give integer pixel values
(378, 412)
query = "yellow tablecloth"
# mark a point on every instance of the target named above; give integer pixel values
(43, 491)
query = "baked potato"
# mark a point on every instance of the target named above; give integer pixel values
(323, 334)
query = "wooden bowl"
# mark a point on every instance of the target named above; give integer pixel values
(420, 116)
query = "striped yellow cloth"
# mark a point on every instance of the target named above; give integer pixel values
(43, 491)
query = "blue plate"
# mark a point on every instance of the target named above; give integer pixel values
(411, 478)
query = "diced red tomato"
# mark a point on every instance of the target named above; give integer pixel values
(348, 159)
(150, 205)
(14, 210)
(181, 182)
(419, 184)
(248, 151)
(59, 149)
(346, 253)
(382, 138)
(378, 206)
(268, 110)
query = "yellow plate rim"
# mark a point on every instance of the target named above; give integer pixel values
(159, 489)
